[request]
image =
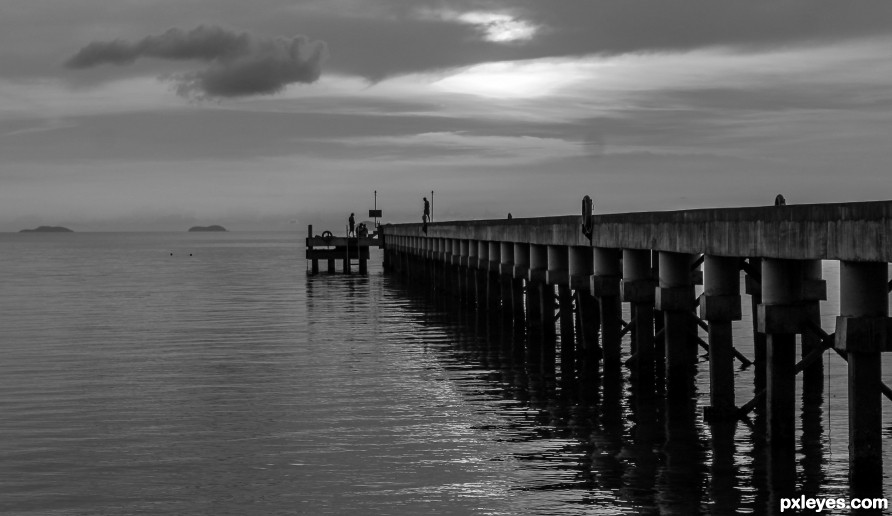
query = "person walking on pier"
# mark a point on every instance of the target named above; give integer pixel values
(351, 222)
(426, 216)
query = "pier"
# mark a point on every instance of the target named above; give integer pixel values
(564, 279)
(345, 250)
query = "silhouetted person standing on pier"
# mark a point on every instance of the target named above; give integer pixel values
(351, 222)
(426, 217)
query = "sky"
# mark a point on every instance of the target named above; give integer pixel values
(274, 114)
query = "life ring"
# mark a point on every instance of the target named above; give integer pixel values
(326, 235)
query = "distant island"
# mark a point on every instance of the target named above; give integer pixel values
(207, 228)
(47, 229)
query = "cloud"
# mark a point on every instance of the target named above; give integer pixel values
(241, 64)
(495, 27)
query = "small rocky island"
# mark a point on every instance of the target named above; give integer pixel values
(47, 229)
(207, 228)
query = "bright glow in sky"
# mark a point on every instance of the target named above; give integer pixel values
(501, 28)
(522, 79)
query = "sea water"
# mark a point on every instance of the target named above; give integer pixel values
(206, 373)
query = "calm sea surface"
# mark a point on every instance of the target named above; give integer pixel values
(204, 373)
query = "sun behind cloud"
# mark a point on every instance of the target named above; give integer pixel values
(499, 27)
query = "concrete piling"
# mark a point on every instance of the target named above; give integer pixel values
(862, 333)
(605, 286)
(638, 289)
(675, 298)
(719, 306)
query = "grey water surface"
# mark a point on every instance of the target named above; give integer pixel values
(205, 373)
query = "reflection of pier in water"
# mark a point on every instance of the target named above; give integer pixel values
(552, 300)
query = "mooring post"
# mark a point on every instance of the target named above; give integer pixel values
(720, 305)
(605, 284)
(638, 290)
(863, 332)
(675, 298)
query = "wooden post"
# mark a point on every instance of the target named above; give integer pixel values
(314, 262)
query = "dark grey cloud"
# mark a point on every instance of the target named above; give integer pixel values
(240, 63)
(406, 41)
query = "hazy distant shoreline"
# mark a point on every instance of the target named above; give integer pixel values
(47, 229)
(207, 228)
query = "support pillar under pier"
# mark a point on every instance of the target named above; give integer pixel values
(568, 334)
(863, 333)
(540, 312)
(754, 289)
(814, 290)
(517, 298)
(638, 290)
(719, 305)
(605, 284)
(548, 305)
(588, 318)
(675, 299)
(780, 317)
